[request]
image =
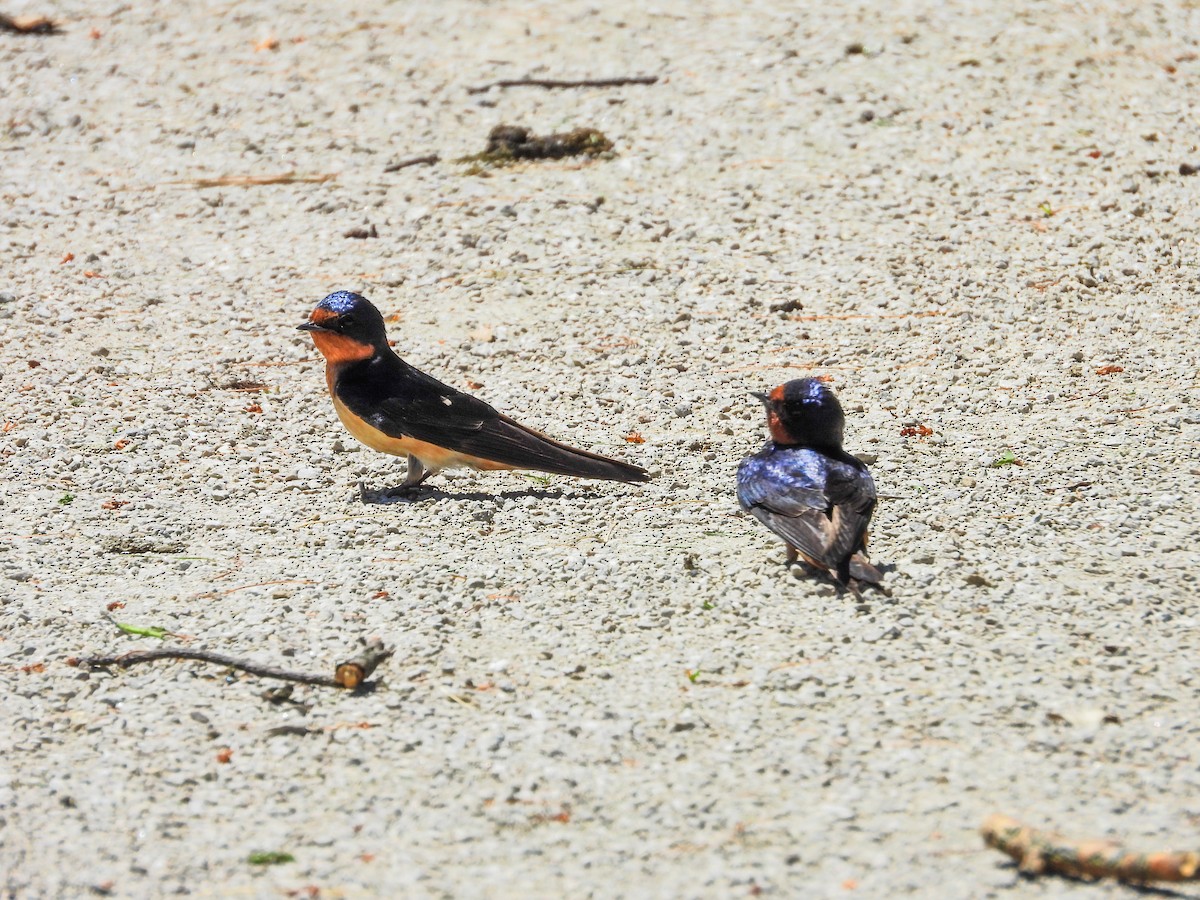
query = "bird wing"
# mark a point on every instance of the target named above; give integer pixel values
(818, 504)
(401, 401)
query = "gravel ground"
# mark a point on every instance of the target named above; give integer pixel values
(973, 219)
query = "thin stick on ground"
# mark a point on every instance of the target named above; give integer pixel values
(349, 674)
(255, 180)
(553, 83)
(1042, 852)
(427, 160)
(924, 314)
(274, 364)
(756, 367)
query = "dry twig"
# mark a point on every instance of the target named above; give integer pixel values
(1039, 852)
(255, 180)
(555, 83)
(428, 160)
(349, 674)
(357, 669)
(912, 315)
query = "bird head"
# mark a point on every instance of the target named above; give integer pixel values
(804, 412)
(345, 327)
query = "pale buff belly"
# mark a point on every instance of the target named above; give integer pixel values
(432, 456)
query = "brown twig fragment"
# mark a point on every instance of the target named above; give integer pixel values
(28, 25)
(555, 83)
(255, 180)
(1039, 852)
(428, 160)
(349, 675)
(912, 315)
(758, 367)
(357, 669)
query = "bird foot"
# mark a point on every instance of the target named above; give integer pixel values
(400, 494)
(802, 569)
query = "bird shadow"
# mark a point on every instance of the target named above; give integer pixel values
(384, 497)
(803, 571)
(1145, 890)
(1150, 890)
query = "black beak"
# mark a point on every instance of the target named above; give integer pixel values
(311, 326)
(764, 398)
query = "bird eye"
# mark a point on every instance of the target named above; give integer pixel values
(346, 320)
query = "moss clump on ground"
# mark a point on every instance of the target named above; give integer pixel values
(509, 143)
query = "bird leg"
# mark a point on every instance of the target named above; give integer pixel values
(406, 490)
(416, 474)
(810, 569)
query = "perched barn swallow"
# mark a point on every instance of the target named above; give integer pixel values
(806, 488)
(392, 407)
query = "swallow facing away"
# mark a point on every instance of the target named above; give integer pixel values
(392, 407)
(804, 487)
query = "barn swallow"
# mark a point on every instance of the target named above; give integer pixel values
(392, 407)
(804, 487)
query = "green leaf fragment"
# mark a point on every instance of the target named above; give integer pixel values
(153, 631)
(270, 858)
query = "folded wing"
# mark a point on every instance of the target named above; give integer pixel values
(421, 407)
(818, 504)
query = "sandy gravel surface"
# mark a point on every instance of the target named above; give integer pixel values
(962, 214)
